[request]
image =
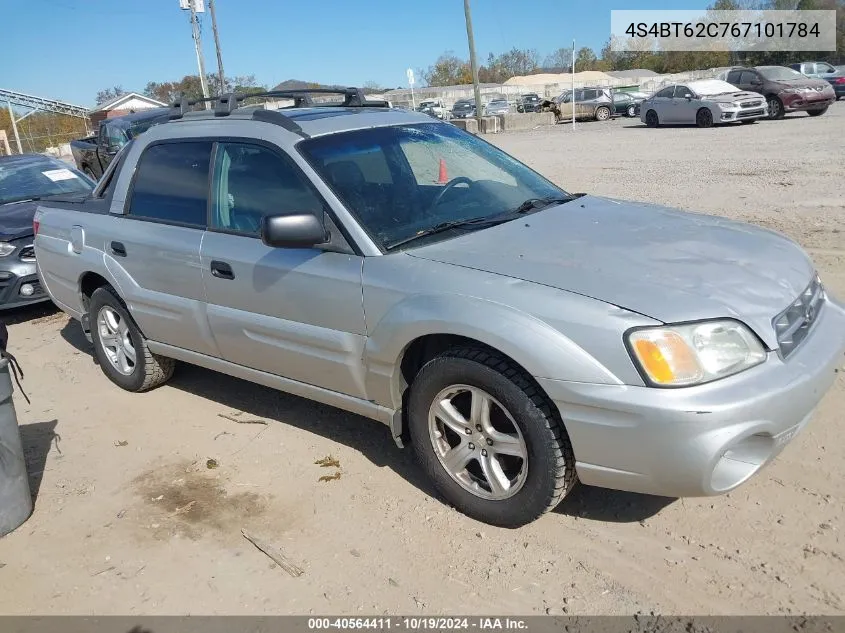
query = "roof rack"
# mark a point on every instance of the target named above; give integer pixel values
(227, 103)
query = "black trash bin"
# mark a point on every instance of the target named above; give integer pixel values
(15, 497)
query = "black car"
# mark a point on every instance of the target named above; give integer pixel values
(24, 179)
(529, 102)
(625, 104)
(463, 109)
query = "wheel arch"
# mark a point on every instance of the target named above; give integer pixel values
(422, 326)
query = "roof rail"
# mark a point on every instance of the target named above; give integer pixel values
(227, 103)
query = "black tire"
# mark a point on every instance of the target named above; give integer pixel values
(602, 113)
(551, 464)
(775, 107)
(631, 111)
(651, 119)
(150, 370)
(817, 112)
(704, 118)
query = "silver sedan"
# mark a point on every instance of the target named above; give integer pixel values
(703, 103)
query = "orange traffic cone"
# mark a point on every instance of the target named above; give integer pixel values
(443, 177)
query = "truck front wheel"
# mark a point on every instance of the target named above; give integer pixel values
(120, 348)
(489, 438)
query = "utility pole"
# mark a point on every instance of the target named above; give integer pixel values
(217, 47)
(15, 127)
(195, 26)
(474, 64)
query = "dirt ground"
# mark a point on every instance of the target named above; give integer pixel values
(130, 519)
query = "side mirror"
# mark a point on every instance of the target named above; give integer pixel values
(295, 230)
(688, 97)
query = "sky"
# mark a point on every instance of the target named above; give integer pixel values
(70, 49)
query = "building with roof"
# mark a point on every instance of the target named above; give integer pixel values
(124, 104)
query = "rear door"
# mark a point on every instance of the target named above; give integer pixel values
(661, 103)
(153, 252)
(295, 313)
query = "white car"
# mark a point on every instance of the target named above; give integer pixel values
(704, 103)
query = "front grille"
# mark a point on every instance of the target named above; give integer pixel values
(794, 324)
(748, 113)
(28, 254)
(750, 104)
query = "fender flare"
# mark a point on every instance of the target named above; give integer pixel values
(541, 350)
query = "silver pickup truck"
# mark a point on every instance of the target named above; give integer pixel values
(518, 336)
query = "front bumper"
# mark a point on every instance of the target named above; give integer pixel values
(806, 101)
(20, 286)
(744, 114)
(703, 440)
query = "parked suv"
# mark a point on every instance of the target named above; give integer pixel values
(589, 103)
(518, 336)
(822, 70)
(785, 89)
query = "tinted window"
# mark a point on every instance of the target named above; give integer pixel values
(748, 78)
(172, 183)
(666, 92)
(682, 91)
(822, 67)
(734, 77)
(252, 181)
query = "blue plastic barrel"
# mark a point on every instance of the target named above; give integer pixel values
(15, 498)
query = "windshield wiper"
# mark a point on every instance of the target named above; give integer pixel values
(535, 204)
(24, 199)
(484, 222)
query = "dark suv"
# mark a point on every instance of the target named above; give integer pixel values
(785, 89)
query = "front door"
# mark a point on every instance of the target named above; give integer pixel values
(295, 313)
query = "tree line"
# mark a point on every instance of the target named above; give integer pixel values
(449, 69)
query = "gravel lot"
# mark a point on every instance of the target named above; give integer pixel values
(129, 519)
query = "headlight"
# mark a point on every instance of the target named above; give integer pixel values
(692, 354)
(728, 106)
(791, 90)
(6, 249)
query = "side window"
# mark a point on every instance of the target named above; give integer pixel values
(682, 91)
(666, 93)
(748, 78)
(824, 68)
(590, 94)
(171, 184)
(250, 182)
(115, 138)
(736, 77)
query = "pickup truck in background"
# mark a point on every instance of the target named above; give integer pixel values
(94, 153)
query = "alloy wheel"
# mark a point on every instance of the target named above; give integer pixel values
(116, 340)
(478, 442)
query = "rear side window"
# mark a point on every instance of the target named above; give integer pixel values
(171, 185)
(734, 77)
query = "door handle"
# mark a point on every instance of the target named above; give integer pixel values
(222, 270)
(118, 249)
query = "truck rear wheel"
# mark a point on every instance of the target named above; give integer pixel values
(120, 348)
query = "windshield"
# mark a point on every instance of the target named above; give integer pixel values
(712, 87)
(25, 179)
(780, 73)
(400, 180)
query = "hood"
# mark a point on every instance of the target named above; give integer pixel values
(665, 264)
(733, 96)
(16, 220)
(801, 82)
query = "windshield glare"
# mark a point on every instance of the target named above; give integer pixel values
(779, 73)
(400, 180)
(31, 179)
